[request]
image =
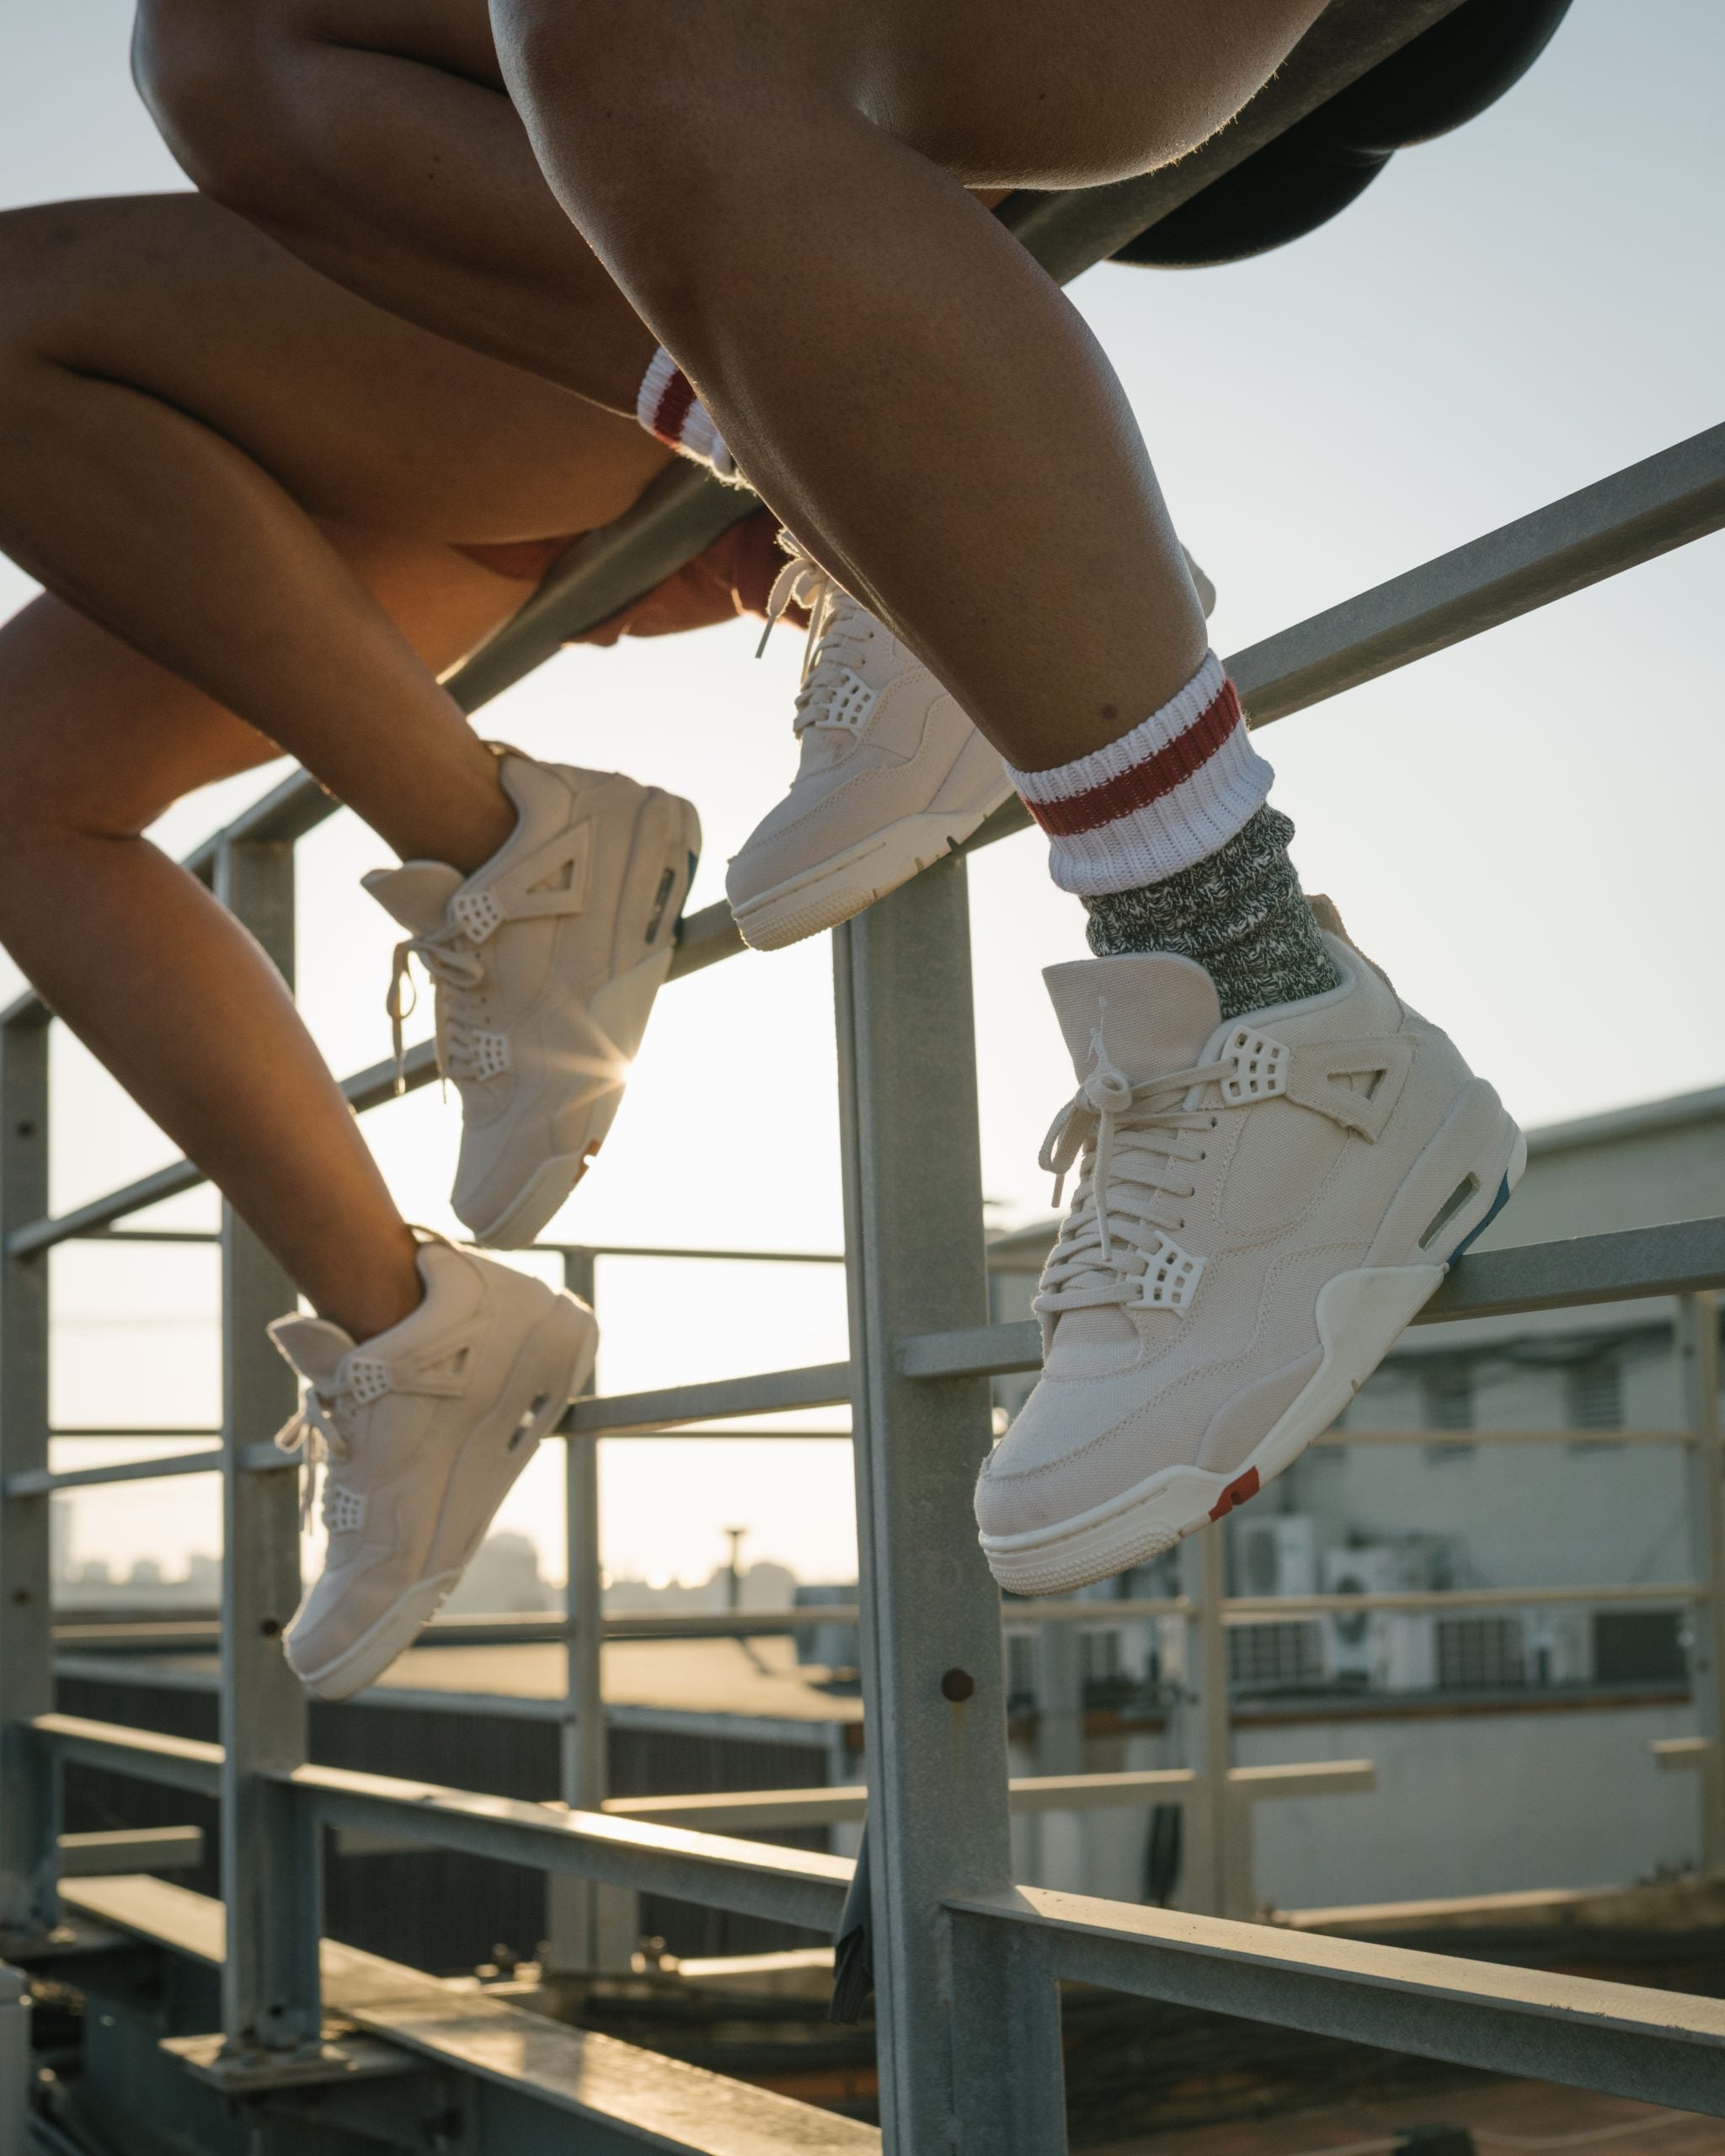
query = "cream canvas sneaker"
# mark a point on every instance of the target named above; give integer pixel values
(1263, 1205)
(546, 963)
(891, 773)
(421, 1433)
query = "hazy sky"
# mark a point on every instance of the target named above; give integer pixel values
(1525, 830)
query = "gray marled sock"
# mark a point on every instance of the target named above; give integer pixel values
(1240, 913)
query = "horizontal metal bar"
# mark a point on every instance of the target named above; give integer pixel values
(131, 1849)
(178, 1762)
(1323, 1778)
(255, 1460)
(730, 1435)
(131, 1430)
(671, 1250)
(1631, 1264)
(1463, 1439)
(206, 1235)
(1255, 1610)
(750, 1878)
(826, 1384)
(1663, 502)
(1656, 2046)
(1023, 1610)
(1683, 1753)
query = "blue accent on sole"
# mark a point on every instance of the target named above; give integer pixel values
(1498, 1204)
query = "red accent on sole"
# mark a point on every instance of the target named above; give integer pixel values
(1237, 1491)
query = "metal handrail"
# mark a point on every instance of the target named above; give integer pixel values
(1647, 509)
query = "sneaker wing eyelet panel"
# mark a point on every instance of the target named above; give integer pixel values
(891, 773)
(420, 1438)
(1262, 1207)
(545, 964)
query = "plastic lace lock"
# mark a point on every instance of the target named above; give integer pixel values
(490, 1054)
(1260, 1067)
(853, 701)
(344, 1509)
(480, 913)
(1171, 1276)
(367, 1379)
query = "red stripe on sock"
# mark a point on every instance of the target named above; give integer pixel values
(1159, 774)
(673, 408)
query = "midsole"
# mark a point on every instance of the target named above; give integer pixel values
(951, 825)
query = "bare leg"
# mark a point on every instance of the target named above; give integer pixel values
(177, 308)
(984, 486)
(855, 377)
(155, 977)
(374, 139)
(141, 343)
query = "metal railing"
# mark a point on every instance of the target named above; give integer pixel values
(968, 1962)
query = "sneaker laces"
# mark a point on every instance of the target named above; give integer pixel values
(456, 968)
(838, 627)
(1133, 1139)
(314, 1432)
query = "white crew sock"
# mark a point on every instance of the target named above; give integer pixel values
(1158, 800)
(667, 407)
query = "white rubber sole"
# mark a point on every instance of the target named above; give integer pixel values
(1360, 1316)
(364, 1660)
(837, 890)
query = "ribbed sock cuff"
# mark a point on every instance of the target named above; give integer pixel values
(1240, 915)
(667, 407)
(1158, 800)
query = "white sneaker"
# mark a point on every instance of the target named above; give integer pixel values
(545, 962)
(421, 1432)
(892, 773)
(1282, 1193)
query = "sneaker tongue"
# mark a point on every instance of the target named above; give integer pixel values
(313, 1346)
(417, 893)
(1153, 1011)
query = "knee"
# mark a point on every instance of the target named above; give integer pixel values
(208, 70)
(644, 116)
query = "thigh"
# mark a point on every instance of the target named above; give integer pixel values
(359, 414)
(1074, 94)
(1000, 93)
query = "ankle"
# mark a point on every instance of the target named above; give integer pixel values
(477, 829)
(1240, 914)
(381, 1298)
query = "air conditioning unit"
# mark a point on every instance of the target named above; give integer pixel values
(1382, 1649)
(1276, 1555)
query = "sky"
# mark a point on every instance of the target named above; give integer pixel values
(1525, 830)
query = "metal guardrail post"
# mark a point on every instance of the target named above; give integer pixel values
(1698, 1350)
(589, 1926)
(1211, 1823)
(968, 2043)
(270, 1848)
(28, 1783)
